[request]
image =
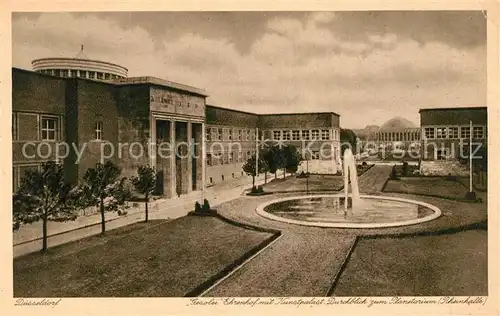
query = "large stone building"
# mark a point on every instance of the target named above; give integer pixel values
(446, 136)
(79, 120)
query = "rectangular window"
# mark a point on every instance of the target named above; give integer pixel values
(315, 134)
(452, 132)
(325, 134)
(230, 157)
(441, 132)
(295, 135)
(98, 131)
(209, 159)
(49, 128)
(249, 135)
(92, 74)
(477, 132)
(276, 135)
(464, 132)
(286, 135)
(230, 134)
(305, 135)
(219, 133)
(208, 134)
(240, 134)
(429, 132)
(315, 155)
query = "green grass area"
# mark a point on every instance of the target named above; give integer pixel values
(159, 258)
(431, 186)
(314, 183)
(454, 264)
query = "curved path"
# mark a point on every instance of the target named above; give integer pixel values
(306, 261)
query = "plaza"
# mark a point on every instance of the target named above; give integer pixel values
(261, 185)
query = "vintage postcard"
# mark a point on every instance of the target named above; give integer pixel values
(185, 158)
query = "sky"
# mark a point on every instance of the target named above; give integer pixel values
(367, 66)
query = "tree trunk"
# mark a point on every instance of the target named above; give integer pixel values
(147, 213)
(265, 177)
(253, 181)
(284, 173)
(103, 219)
(44, 232)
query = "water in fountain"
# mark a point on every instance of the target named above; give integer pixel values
(351, 173)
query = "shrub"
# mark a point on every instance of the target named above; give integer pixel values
(197, 207)
(258, 189)
(394, 175)
(449, 177)
(206, 206)
(405, 169)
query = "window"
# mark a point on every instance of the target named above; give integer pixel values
(63, 73)
(315, 155)
(315, 134)
(100, 75)
(325, 134)
(441, 132)
(295, 135)
(92, 74)
(239, 135)
(464, 132)
(219, 134)
(208, 134)
(247, 135)
(98, 131)
(209, 160)
(286, 135)
(240, 156)
(49, 128)
(230, 134)
(276, 135)
(452, 132)
(477, 132)
(305, 135)
(429, 132)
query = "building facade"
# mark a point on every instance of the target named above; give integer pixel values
(446, 134)
(80, 121)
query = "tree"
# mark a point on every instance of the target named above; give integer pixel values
(103, 188)
(291, 159)
(347, 140)
(273, 159)
(249, 168)
(145, 183)
(44, 195)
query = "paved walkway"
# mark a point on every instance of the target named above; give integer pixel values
(28, 238)
(303, 262)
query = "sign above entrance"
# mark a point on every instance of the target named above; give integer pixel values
(179, 102)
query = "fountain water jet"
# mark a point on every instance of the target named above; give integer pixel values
(351, 173)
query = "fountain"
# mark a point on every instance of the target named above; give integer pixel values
(364, 211)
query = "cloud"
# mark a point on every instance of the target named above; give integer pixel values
(293, 65)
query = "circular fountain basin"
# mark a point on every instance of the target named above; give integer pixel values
(329, 211)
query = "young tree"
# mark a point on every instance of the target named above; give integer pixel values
(292, 159)
(347, 140)
(103, 188)
(44, 195)
(273, 158)
(145, 183)
(249, 168)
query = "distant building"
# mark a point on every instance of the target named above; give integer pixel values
(398, 130)
(446, 136)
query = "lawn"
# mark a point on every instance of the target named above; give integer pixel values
(454, 264)
(314, 183)
(159, 258)
(432, 186)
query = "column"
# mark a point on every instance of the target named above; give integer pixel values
(199, 160)
(171, 175)
(187, 173)
(203, 159)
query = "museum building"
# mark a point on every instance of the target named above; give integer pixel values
(83, 111)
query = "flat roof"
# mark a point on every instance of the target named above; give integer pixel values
(455, 108)
(160, 82)
(269, 114)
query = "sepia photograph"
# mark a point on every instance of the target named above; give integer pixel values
(284, 157)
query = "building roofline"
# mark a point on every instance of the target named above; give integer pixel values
(455, 108)
(269, 114)
(31, 72)
(303, 113)
(159, 82)
(228, 109)
(77, 59)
